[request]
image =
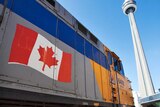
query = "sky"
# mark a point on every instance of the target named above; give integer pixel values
(105, 19)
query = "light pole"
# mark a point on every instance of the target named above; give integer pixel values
(144, 78)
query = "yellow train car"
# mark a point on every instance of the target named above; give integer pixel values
(120, 85)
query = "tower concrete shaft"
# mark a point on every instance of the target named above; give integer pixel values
(144, 78)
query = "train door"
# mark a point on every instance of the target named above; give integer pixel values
(66, 42)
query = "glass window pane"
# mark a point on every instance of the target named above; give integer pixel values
(109, 58)
(103, 61)
(122, 70)
(115, 64)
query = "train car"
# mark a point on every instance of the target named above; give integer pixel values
(49, 59)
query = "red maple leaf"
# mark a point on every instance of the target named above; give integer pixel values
(46, 56)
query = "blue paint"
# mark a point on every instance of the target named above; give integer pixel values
(36, 14)
(122, 70)
(103, 61)
(79, 44)
(109, 58)
(96, 55)
(41, 17)
(66, 34)
(1, 1)
(88, 50)
(9, 3)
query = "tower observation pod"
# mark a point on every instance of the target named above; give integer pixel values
(144, 78)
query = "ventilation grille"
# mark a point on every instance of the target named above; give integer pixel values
(82, 29)
(51, 2)
(93, 38)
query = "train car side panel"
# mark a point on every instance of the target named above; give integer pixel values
(107, 90)
(69, 86)
(22, 72)
(124, 90)
(80, 75)
(98, 79)
(90, 85)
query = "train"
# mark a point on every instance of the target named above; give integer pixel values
(49, 59)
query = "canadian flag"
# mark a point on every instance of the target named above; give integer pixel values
(31, 49)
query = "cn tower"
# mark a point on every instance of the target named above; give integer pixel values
(144, 78)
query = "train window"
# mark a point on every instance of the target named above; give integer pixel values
(96, 54)
(103, 61)
(122, 70)
(79, 44)
(115, 64)
(93, 38)
(88, 50)
(82, 29)
(119, 66)
(107, 65)
(51, 2)
(66, 34)
(109, 58)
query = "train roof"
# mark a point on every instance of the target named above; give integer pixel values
(70, 20)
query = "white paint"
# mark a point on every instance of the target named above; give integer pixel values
(58, 56)
(139, 68)
(35, 56)
(144, 72)
(144, 78)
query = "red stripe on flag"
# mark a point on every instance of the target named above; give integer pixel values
(65, 68)
(22, 44)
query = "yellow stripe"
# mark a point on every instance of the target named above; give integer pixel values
(103, 80)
